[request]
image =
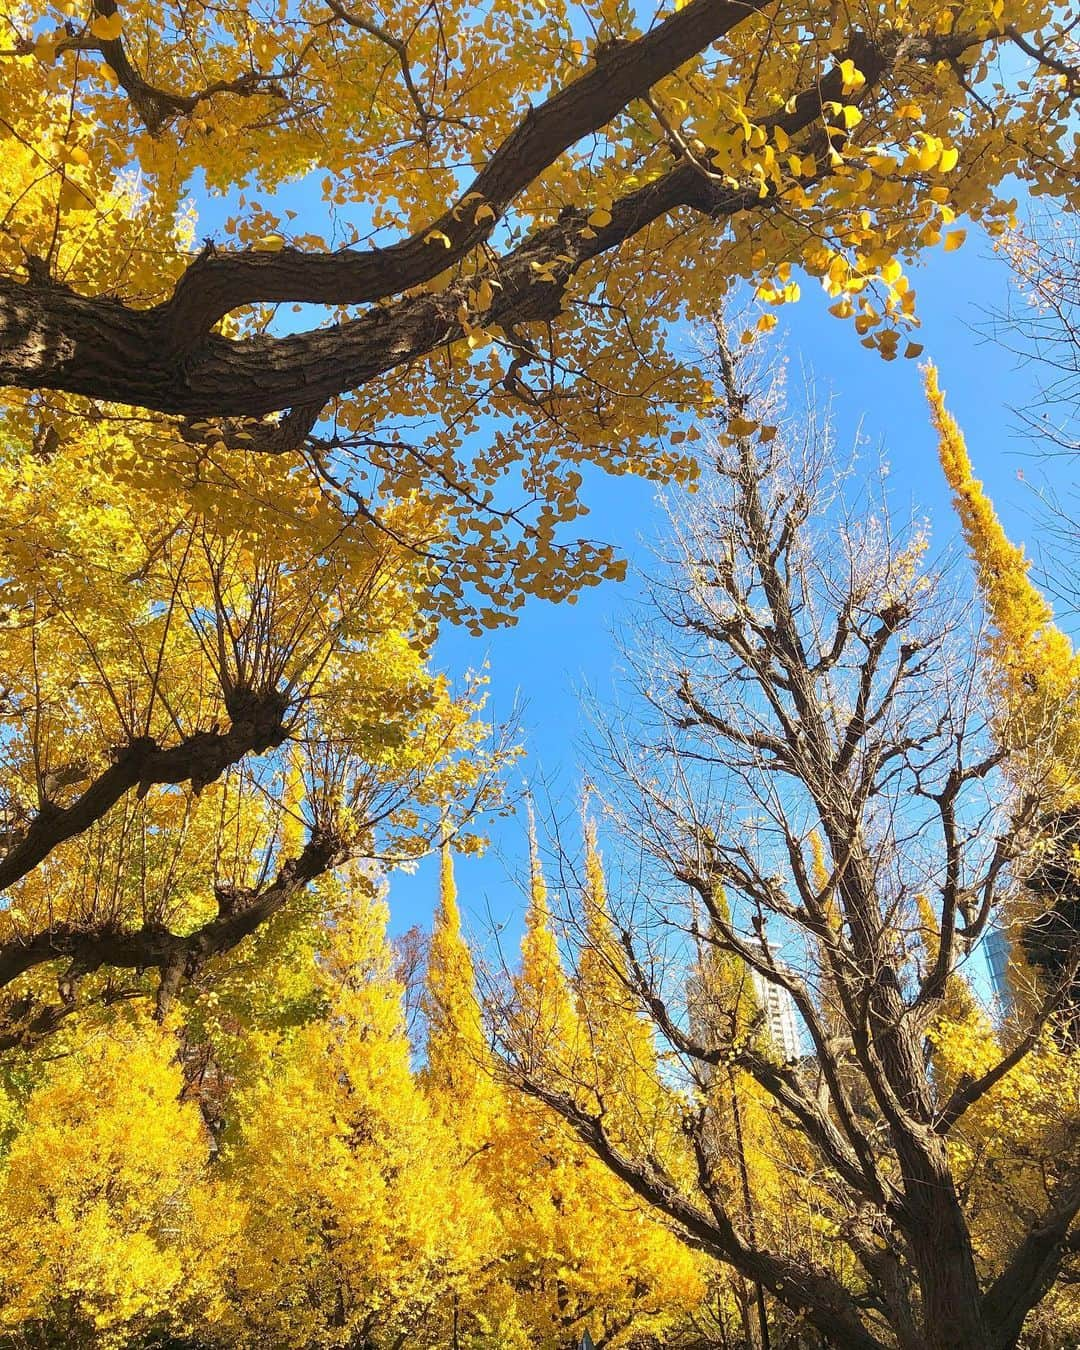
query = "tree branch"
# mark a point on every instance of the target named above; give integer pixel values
(199, 759)
(167, 358)
(175, 956)
(1031, 1270)
(826, 1304)
(969, 1090)
(157, 107)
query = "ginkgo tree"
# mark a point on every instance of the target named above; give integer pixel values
(111, 1224)
(314, 316)
(196, 726)
(487, 218)
(571, 1252)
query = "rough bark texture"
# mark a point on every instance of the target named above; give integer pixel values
(168, 359)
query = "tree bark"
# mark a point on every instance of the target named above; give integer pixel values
(167, 358)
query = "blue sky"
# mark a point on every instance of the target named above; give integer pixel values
(557, 651)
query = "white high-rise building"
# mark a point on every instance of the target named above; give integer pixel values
(780, 1017)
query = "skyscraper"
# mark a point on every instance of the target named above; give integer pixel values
(996, 948)
(780, 1019)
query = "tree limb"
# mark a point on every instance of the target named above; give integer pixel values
(175, 956)
(199, 759)
(167, 358)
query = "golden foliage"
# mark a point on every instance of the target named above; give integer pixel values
(1038, 670)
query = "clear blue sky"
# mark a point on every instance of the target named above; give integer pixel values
(557, 650)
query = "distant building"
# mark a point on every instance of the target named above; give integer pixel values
(780, 1017)
(996, 948)
(776, 1005)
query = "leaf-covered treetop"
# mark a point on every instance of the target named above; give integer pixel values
(487, 218)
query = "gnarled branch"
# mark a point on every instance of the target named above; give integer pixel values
(199, 759)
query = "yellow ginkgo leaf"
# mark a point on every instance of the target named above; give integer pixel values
(600, 217)
(954, 240)
(852, 76)
(741, 426)
(269, 243)
(74, 198)
(107, 27)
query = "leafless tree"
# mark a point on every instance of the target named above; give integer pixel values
(810, 768)
(1044, 327)
(1040, 325)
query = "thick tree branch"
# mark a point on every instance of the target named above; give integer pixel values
(1031, 1270)
(199, 759)
(52, 338)
(167, 359)
(827, 1305)
(175, 956)
(969, 1090)
(219, 283)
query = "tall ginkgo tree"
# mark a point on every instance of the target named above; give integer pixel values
(572, 1251)
(596, 1261)
(358, 1227)
(1038, 720)
(111, 1225)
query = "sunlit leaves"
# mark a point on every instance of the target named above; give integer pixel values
(488, 427)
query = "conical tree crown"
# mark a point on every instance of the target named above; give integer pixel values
(618, 1052)
(545, 1023)
(1038, 677)
(1038, 669)
(578, 1251)
(351, 1195)
(457, 1051)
